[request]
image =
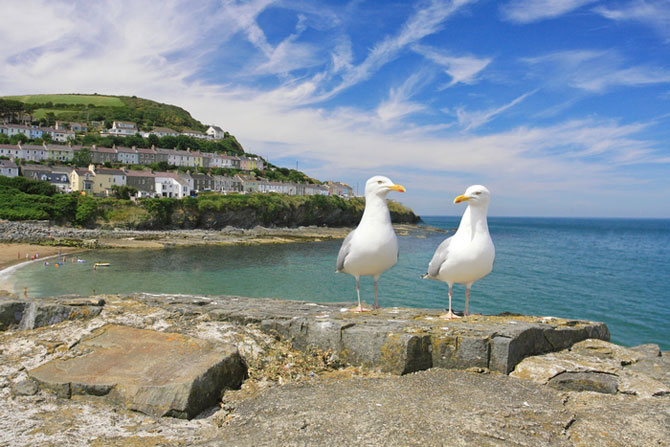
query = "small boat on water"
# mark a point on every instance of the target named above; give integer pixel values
(100, 264)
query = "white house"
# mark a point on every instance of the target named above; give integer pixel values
(194, 133)
(127, 155)
(10, 150)
(33, 152)
(122, 128)
(215, 132)
(161, 132)
(8, 168)
(169, 184)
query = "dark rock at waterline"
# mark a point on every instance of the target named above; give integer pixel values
(157, 373)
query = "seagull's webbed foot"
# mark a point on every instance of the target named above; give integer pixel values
(359, 309)
(449, 316)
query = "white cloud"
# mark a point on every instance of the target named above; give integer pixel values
(462, 69)
(424, 22)
(595, 71)
(652, 13)
(527, 11)
(473, 120)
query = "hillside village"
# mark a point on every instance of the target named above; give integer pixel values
(187, 172)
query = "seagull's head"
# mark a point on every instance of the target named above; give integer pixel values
(475, 195)
(380, 186)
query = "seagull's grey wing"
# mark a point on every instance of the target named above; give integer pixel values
(439, 258)
(344, 251)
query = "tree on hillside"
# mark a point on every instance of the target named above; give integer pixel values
(82, 157)
(18, 138)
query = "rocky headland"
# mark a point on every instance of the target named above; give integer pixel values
(149, 370)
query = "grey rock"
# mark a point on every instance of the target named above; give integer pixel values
(585, 381)
(10, 313)
(157, 373)
(429, 408)
(24, 388)
(31, 314)
(658, 368)
(619, 421)
(596, 365)
(649, 349)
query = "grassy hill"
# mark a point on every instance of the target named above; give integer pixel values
(83, 108)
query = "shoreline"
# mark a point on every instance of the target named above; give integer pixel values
(42, 238)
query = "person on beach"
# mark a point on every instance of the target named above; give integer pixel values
(25, 292)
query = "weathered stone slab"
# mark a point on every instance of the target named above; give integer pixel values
(397, 340)
(157, 373)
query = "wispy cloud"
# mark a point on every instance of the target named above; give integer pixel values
(527, 11)
(652, 13)
(473, 120)
(424, 22)
(595, 71)
(461, 69)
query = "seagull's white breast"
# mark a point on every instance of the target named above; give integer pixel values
(469, 259)
(374, 249)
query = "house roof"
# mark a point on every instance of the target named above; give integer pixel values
(7, 164)
(163, 130)
(32, 147)
(108, 171)
(132, 173)
(128, 150)
(55, 147)
(9, 146)
(216, 128)
(146, 150)
(108, 150)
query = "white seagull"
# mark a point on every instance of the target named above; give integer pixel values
(468, 255)
(372, 248)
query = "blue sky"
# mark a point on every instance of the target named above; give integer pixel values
(561, 108)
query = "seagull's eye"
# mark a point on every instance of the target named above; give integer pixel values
(478, 192)
(379, 182)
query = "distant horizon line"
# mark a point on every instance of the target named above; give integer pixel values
(552, 217)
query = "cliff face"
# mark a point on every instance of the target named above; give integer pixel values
(250, 211)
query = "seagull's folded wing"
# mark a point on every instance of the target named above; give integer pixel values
(439, 258)
(344, 251)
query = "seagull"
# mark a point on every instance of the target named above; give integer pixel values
(468, 255)
(372, 248)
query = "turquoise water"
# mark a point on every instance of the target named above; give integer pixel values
(611, 270)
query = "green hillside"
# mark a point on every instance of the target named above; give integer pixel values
(45, 109)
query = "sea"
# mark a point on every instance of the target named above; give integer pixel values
(612, 270)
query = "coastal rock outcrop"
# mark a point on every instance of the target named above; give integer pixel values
(397, 340)
(307, 396)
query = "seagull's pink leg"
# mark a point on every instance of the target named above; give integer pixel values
(450, 315)
(376, 304)
(467, 298)
(359, 308)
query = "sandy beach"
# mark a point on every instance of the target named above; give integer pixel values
(13, 256)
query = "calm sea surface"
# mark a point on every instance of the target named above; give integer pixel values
(611, 270)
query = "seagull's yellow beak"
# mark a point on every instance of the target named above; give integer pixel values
(461, 198)
(398, 188)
